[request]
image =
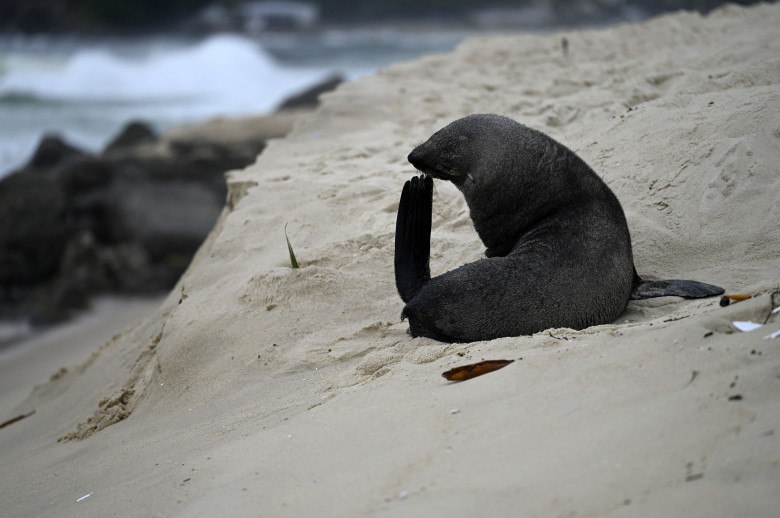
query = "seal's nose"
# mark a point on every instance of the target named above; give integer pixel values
(415, 157)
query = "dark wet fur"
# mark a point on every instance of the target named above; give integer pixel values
(413, 237)
(673, 288)
(558, 247)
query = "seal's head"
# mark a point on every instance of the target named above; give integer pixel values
(510, 175)
(446, 154)
(464, 149)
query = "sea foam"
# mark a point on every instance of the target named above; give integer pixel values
(222, 74)
(86, 93)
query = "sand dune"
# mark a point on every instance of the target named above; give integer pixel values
(258, 390)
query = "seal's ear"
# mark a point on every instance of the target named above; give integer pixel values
(413, 237)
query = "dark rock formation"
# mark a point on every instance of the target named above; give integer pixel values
(133, 134)
(127, 220)
(168, 219)
(51, 152)
(309, 98)
(34, 228)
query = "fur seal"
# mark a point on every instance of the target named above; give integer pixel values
(558, 246)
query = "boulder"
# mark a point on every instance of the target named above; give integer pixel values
(34, 228)
(133, 134)
(167, 219)
(310, 97)
(83, 175)
(52, 151)
(74, 224)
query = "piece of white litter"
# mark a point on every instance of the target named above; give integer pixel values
(83, 497)
(773, 335)
(746, 325)
(454, 411)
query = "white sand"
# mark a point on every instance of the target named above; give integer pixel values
(273, 392)
(33, 361)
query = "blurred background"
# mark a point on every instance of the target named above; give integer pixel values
(103, 191)
(84, 68)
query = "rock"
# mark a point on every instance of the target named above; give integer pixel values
(128, 220)
(52, 151)
(133, 134)
(169, 220)
(34, 228)
(119, 268)
(310, 97)
(83, 175)
(60, 301)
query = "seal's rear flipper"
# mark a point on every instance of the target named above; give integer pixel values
(673, 287)
(413, 237)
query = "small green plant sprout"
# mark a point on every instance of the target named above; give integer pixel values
(293, 262)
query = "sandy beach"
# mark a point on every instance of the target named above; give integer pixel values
(255, 389)
(39, 355)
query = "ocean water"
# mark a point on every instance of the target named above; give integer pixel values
(86, 90)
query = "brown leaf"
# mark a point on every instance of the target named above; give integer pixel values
(466, 372)
(738, 297)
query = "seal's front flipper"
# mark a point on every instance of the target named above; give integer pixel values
(413, 237)
(673, 287)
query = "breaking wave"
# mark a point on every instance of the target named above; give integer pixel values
(223, 74)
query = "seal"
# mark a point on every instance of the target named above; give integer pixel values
(558, 249)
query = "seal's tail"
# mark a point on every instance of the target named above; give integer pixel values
(413, 237)
(672, 287)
